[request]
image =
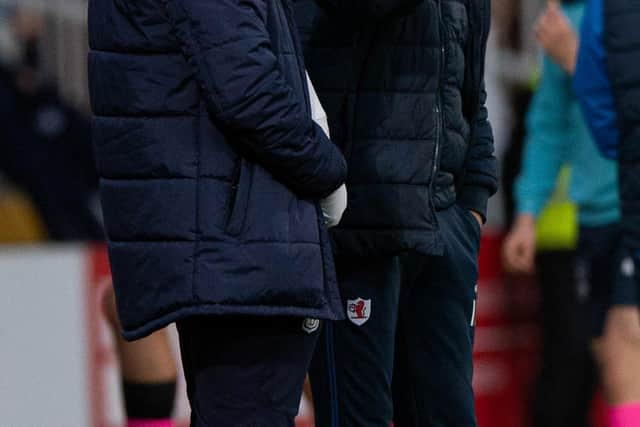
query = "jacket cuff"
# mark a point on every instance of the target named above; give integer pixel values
(475, 198)
(341, 175)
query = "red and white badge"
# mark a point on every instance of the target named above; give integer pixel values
(359, 310)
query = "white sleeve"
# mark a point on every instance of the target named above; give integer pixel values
(317, 112)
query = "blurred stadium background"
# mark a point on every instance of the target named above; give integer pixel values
(56, 362)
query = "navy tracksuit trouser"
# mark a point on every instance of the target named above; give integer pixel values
(405, 352)
(246, 371)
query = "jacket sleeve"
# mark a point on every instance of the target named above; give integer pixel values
(591, 82)
(480, 180)
(547, 141)
(228, 47)
(369, 9)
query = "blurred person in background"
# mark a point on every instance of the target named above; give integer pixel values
(44, 145)
(543, 228)
(214, 178)
(402, 82)
(606, 71)
(607, 80)
(603, 249)
(45, 150)
(564, 384)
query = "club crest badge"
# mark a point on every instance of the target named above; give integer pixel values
(310, 325)
(359, 311)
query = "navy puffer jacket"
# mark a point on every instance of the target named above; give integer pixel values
(210, 164)
(402, 84)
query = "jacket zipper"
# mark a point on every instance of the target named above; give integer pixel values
(438, 111)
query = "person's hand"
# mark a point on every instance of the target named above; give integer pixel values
(557, 37)
(519, 248)
(477, 216)
(334, 206)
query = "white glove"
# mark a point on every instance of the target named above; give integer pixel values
(334, 206)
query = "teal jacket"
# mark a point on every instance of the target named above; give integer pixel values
(557, 135)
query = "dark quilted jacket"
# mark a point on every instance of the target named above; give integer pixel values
(622, 42)
(402, 83)
(210, 164)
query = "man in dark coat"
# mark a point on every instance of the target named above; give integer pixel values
(402, 84)
(211, 170)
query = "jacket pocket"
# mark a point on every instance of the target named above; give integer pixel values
(472, 223)
(239, 198)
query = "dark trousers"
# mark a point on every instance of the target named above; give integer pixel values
(244, 371)
(564, 388)
(405, 353)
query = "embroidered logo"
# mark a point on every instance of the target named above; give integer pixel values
(359, 310)
(310, 325)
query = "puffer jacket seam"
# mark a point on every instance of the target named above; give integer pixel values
(166, 178)
(197, 231)
(137, 52)
(384, 229)
(394, 138)
(406, 44)
(152, 178)
(353, 91)
(203, 51)
(178, 241)
(396, 91)
(146, 115)
(416, 184)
